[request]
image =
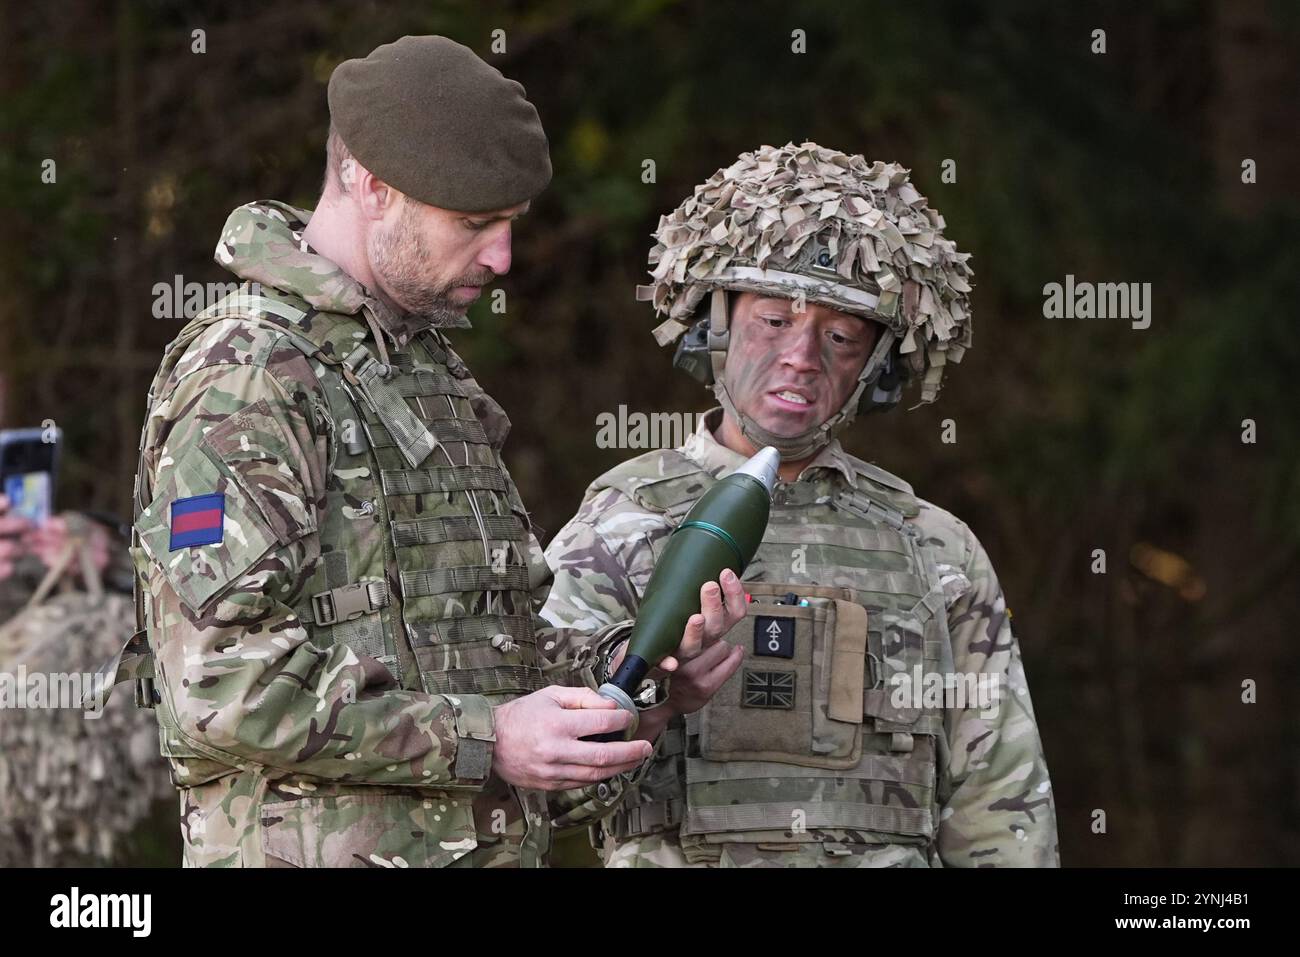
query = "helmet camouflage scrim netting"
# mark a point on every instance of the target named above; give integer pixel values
(812, 222)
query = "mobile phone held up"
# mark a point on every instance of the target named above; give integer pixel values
(29, 460)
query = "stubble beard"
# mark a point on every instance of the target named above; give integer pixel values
(397, 256)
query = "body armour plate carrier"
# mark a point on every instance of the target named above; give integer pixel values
(423, 536)
(805, 743)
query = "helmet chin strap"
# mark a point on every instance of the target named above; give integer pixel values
(793, 448)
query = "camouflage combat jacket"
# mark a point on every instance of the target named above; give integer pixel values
(339, 579)
(815, 753)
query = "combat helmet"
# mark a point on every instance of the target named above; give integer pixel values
(806, 221)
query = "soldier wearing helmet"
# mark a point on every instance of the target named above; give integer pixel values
(872, 708)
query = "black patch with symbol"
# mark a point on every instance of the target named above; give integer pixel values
(773, 637)
(768, 689)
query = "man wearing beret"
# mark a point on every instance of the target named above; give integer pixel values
(338, 582)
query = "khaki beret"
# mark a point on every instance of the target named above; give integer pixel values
(430, 118)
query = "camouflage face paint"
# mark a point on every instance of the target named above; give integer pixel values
(804, 219)
(769, 352)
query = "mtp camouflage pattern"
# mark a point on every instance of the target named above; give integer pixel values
(812, 760)
(324, 676)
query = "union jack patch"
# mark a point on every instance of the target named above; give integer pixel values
(768, 689)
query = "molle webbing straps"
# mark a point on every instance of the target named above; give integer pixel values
(449, 430)
(455, 528)
(414, 441)
(451, 478)
(446, 581)
(468, 628)
(499, 679)
(419, 382)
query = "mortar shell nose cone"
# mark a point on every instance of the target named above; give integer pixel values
(763, 466)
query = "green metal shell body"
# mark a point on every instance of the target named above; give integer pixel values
(723, 530)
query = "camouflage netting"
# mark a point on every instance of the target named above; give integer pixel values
(855, 230)
(70, 788)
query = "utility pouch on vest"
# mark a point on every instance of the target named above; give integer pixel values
(905, 652)
(789, 747)
(797, 697)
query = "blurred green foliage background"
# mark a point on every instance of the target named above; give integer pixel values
(1072, 435)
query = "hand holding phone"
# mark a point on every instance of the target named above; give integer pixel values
(28, 459)
(12, 527)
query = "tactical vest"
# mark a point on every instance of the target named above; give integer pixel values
(807, 742)
(423, 536)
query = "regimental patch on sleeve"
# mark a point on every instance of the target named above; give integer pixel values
(197, 520)
(768, 689)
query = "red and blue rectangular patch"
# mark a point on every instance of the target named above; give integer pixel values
(197, 520)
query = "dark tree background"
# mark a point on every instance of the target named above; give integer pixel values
(1072, 435)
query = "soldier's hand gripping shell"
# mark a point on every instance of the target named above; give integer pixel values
(538, 746)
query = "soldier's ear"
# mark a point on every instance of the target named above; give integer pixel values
(373, 196)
